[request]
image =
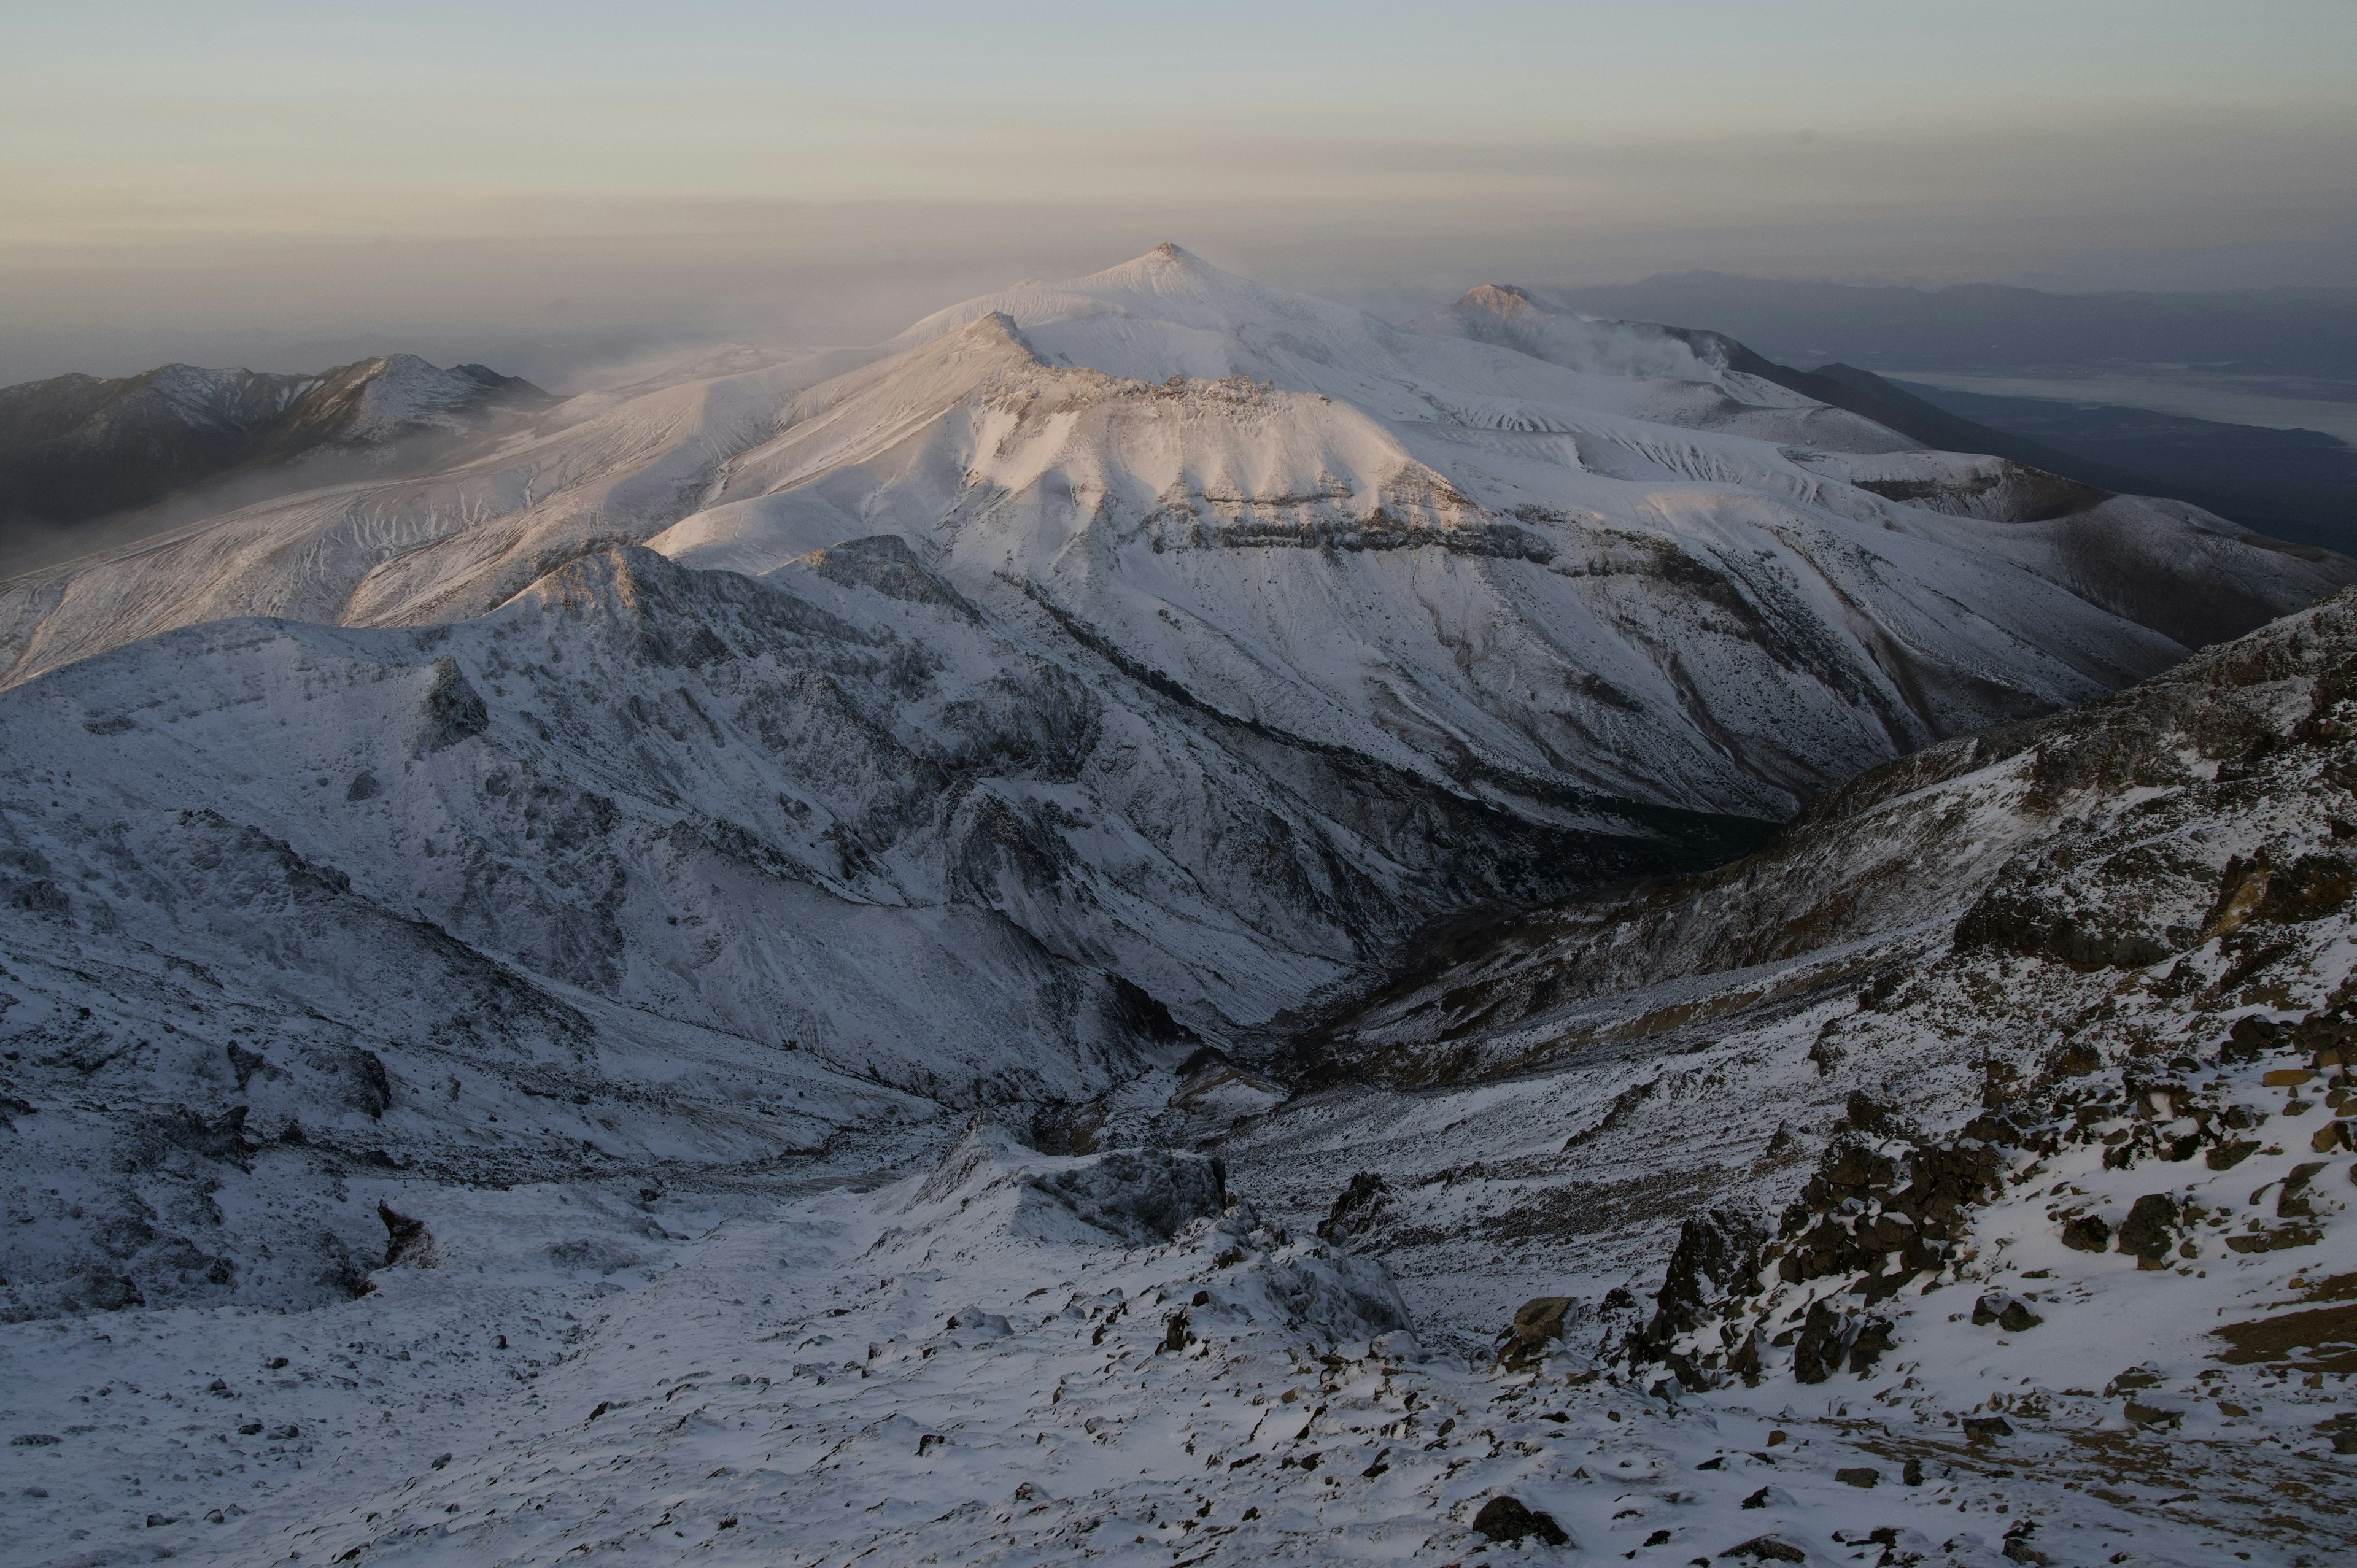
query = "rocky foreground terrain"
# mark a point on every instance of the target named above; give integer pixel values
(1145, 925)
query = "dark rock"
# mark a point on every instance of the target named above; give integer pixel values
(1745, 1363)
(2008, 1311)
(454, 709)
(1506, 1519)
(2076, 1059)
(407, 1240)
(1767, 1548)
(1987, 1426)
(372, 1090)
(103, 1290)
(2251, 1038)
(1913, 1474)
(1873, 1339)
(2292, 1199)
(1355, 1211)
(1136, 1010)
(2310, 889)
(1717, 1254)
(245, 1064)
(1141, 1196)
(1536, 1321)
(2151, 1227)
(2086, 1233)
(1825, 1335)
(1859, 1476)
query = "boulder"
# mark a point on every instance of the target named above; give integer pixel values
(1873, 1338)
(1825, 1335)
(1717, 1254)
(2006, 1310)
(1536, 1321)
(2086, 1233)
(2151, 1227)
(407, 1242)
(1356, 1212)
(1506, 1519)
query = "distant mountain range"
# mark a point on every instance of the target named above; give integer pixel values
(2307, 331)
(2295, 484)
(76, 448)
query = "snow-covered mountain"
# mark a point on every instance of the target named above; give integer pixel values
(75, 448)
(868, 811)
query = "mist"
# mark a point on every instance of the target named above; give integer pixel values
(561, 192)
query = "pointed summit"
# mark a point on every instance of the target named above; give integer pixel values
(1169, 254)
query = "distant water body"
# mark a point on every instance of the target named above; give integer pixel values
(2276, 401)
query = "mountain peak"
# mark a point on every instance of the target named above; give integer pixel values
(1498, 299)
(1166, 264)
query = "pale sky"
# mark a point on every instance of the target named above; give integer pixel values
(241, 172)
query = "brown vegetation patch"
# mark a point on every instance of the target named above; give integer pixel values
(2328, 1333)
